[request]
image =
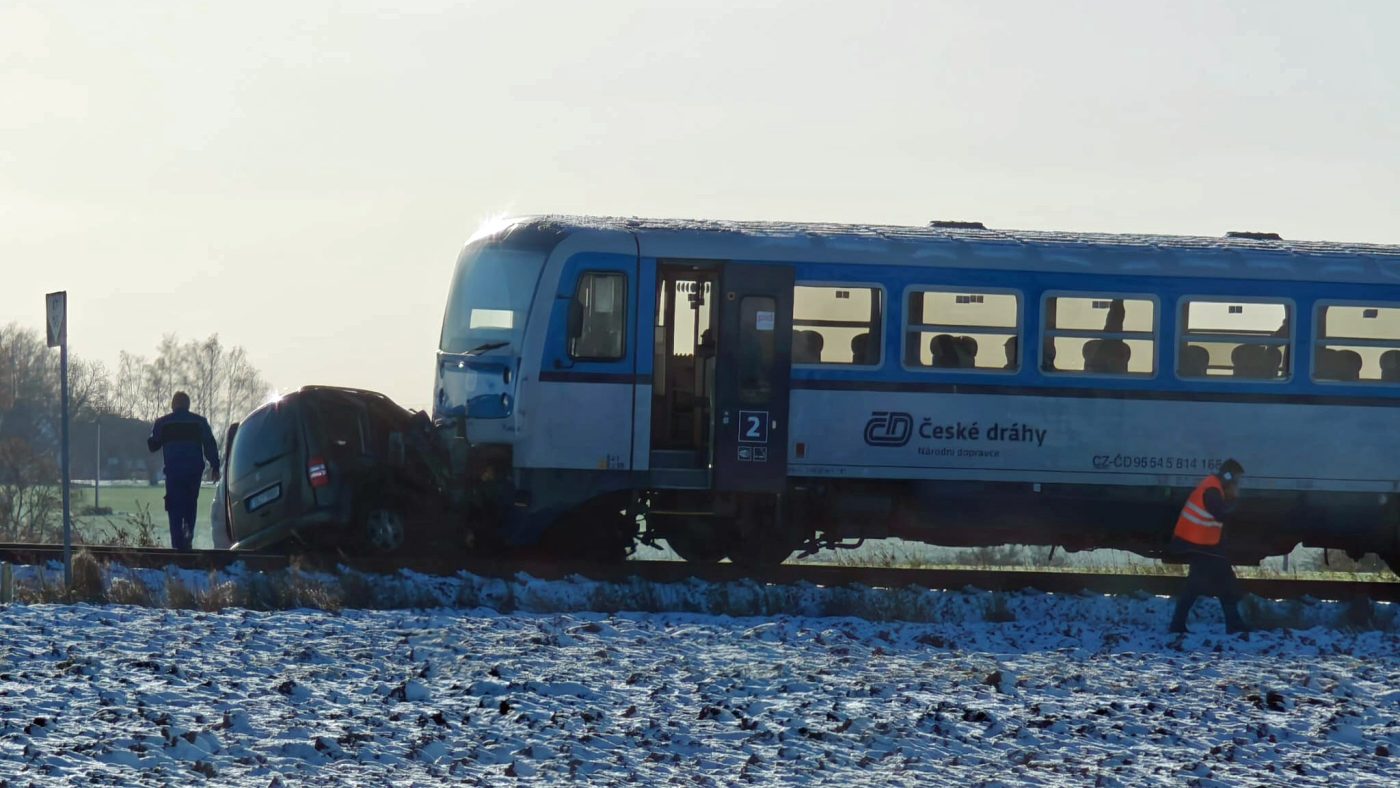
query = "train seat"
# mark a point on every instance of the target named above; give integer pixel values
(1194, 362)
(1390, 365)
(967, 352)
(1107, 356)
(1256, 362)
(862, 351)
(1341, 365)
(807, 347)
(1349, 364)
(944, 352)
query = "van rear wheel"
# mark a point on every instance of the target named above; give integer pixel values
(383, 529)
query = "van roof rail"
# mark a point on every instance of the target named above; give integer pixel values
(1254, 236)
(952, 224)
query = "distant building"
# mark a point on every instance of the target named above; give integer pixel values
(124, 453)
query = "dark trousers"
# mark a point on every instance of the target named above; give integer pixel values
(182, 504)
(1211, 575)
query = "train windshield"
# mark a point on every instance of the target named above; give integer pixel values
(491, 294)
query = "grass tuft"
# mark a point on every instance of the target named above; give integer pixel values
(88, 585)
(129, 591)
(178, 594)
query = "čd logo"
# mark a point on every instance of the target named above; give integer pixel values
(889, 428)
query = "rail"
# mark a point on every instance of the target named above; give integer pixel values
(990, 579)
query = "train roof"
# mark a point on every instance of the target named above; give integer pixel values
(1247, 254)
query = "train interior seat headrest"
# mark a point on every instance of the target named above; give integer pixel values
(1106, 355)
(943, 350)
(1194, 362)
(1349, 364)
(807, 347)
(1256, 362)
(1343, 364)
(1390, 365)
(1325, 364)
(862, 350)
(967, 352)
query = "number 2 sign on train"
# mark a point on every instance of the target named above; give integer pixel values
(747, 389)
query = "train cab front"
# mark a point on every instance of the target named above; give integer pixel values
(479, 365)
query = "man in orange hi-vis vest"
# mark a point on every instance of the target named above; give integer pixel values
(1197, 539)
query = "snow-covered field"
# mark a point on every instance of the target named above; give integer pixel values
(1022, 688)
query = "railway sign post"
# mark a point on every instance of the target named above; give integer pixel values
(56, 309)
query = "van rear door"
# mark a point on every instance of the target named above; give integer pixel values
(266, 477)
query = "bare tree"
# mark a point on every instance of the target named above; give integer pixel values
(204, 367)
(28, 385)
(164, 375)
(129, 387)
(89, 389)
(244, 388)
(222, 383)
(29, 493)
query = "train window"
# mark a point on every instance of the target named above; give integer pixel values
(962, 329)
(1099, 335)
(598, 318)
(1357, 343)
(757, 318)
(837, 324)
(1234, 339)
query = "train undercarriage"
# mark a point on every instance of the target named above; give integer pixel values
(761, 530)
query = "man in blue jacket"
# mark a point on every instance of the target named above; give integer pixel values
(186, 442)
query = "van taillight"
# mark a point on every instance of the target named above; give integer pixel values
(316, 472)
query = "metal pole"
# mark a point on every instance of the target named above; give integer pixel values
(67, 513)
(97, 474)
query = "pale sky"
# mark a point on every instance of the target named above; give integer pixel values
(300, 176)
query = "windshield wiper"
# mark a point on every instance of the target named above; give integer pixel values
(482, 348)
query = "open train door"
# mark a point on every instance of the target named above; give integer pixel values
(752, 378)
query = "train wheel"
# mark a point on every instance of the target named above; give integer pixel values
(700, 540)
(758, 550)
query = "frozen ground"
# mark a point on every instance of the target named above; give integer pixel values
(1032, 688)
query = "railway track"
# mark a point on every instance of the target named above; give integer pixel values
(1006, 579)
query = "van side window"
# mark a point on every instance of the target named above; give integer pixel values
(1099, 335)
(599, 333)
(962, 329)
(338, 427)
(1225, 339)
(837, 324)
(1357, 343)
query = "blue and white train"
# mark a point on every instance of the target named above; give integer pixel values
(746, 389)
